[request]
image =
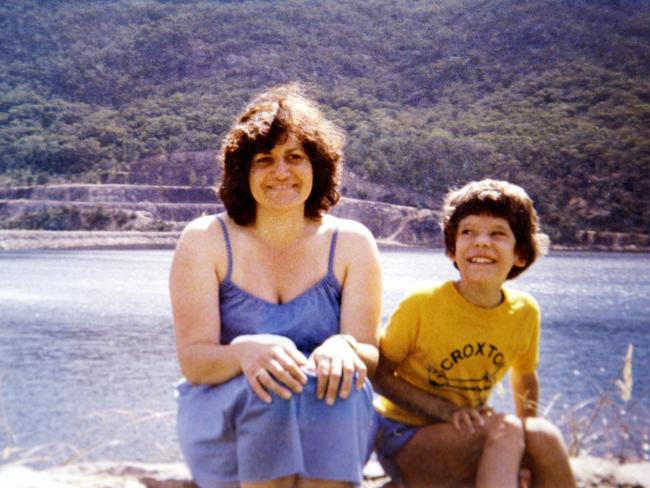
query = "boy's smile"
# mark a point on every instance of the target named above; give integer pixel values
(484, 255)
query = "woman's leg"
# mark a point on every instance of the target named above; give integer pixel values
(295, 482)
(285, 482)
(313, 483)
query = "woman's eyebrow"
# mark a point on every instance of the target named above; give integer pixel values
(295, 148)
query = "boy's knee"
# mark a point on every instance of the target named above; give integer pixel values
(543, 437)
(505, 431)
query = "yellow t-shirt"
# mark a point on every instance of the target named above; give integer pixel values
(453, 349)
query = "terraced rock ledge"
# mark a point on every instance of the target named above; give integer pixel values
(84, 215)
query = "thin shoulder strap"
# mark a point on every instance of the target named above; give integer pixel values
(330, 265)
(226, 236)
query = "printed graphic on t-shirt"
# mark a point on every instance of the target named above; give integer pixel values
(451, 372)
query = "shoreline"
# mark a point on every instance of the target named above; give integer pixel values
(14, 240)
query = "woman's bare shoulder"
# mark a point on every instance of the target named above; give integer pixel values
(347, 226)
(352, 233)
(203, 232)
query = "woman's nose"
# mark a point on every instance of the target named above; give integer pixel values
(281, 168)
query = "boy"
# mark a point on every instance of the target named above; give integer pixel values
(446, 346)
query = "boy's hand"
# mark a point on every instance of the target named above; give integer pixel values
(468, 421)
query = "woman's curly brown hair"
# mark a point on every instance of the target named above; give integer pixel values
(267, 119)
(498, 199)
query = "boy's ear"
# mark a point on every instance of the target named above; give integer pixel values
(519, 261)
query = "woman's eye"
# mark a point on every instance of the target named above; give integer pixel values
(263, 161)
(296, 157)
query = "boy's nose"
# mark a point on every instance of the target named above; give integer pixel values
(482, 239)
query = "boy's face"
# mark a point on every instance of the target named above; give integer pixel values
(485, 250)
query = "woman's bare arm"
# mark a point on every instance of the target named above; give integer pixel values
(194, 291)
(345, 360)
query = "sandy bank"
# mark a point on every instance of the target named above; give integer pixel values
(44, 239)
(590, 472)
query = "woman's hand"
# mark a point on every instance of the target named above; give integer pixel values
(468, 421)
(336, 363)
(271, 368)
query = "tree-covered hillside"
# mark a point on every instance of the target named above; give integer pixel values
(551, 94)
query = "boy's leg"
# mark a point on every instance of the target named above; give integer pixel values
(439, 456)
(548, 454)
(503, 449)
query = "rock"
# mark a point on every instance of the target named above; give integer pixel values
(99, 475)
(598, 472)
(591, 472)
(153, 208)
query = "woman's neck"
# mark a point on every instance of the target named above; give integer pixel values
(481, 296)
(280, 229)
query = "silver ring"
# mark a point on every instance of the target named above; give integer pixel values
(258, 372)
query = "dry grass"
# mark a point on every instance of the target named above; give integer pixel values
(608, 422)
(84, 444)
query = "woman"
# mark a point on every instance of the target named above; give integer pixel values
(276, 309)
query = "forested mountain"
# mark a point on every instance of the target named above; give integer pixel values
(551, 94)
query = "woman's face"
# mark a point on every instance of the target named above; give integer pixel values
(281, 178)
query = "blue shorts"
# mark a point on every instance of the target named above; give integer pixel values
(391, 437)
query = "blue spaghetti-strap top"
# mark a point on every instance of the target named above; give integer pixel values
(307, 320)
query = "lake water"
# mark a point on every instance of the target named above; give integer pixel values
(87, 361)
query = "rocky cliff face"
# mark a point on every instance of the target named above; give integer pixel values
(125, 207)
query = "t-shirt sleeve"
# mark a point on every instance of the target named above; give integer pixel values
(398, 337)
(527, 361)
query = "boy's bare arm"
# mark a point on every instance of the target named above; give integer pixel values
(525, 393)
(408, 396)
